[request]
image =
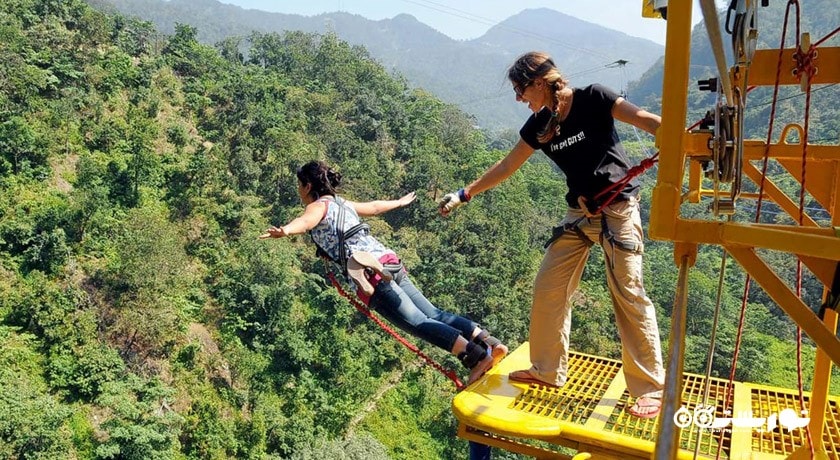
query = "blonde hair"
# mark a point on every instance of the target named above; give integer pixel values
(538, 65)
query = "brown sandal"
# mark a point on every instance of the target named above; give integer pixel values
(525, 376)
(645, 407)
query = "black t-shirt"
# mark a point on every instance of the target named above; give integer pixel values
(587, 148)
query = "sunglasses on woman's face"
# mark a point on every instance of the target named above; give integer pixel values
(520, 90)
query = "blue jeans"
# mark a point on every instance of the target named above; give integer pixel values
(407, 308)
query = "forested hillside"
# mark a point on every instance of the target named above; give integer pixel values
(140, 316)
(468, 73)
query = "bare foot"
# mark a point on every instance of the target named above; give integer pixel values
(498, 352)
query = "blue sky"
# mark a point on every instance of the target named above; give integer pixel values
(467, 19)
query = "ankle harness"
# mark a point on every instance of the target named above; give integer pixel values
(472, 355)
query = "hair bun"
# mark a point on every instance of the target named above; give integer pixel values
(334, 177)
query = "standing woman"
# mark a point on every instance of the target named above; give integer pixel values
(575, 127)
(381, 281)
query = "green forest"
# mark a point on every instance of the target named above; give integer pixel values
(140, 316)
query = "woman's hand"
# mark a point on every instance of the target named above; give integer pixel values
(274, 232)
(407, 199)
(449, 202)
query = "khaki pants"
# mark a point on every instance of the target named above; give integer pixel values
(635, 316)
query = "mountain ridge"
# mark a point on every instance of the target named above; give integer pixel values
(474, 69)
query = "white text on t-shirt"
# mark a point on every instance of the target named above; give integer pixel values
(555, 146)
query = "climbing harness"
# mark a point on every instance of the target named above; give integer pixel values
(590, 211)
(342, 238)
(616, 188)
(355, 266)
(348, 269)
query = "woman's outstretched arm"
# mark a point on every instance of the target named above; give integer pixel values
(372, 208)
(313, 214)
(494, 176)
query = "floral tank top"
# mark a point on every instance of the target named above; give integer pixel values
(325, 234)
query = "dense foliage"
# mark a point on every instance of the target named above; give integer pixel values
(141, 318)
(467, 73)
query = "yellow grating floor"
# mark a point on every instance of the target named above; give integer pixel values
(574, 402)
(770, 402)
(589, 415)
(621, 422)
(832, 430)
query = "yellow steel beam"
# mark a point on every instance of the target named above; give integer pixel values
(817, 231)
(819, 392)
(741, 403)
(667, 193)
(800, 313)
(511, 445)
(765, 63)
(820, 180)
(777, 195)
(754, 150)
(822, 269)
(695, 182)
(696, 146)
(808, 241)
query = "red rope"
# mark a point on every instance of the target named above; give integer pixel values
(366, 311)
(830, 34)
(636, 171)
(632, 173)
(728, 395)
(806, 69)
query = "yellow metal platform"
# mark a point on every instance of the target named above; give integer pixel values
(587, 416)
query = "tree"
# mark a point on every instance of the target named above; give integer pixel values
(21, 148)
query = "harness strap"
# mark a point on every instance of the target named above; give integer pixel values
(615, 188)
(472, 355)
(342, 238)
(606, 234)
(560, 230)
(631, 246)
(592, 208)
(342, 255)
(356, 229)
